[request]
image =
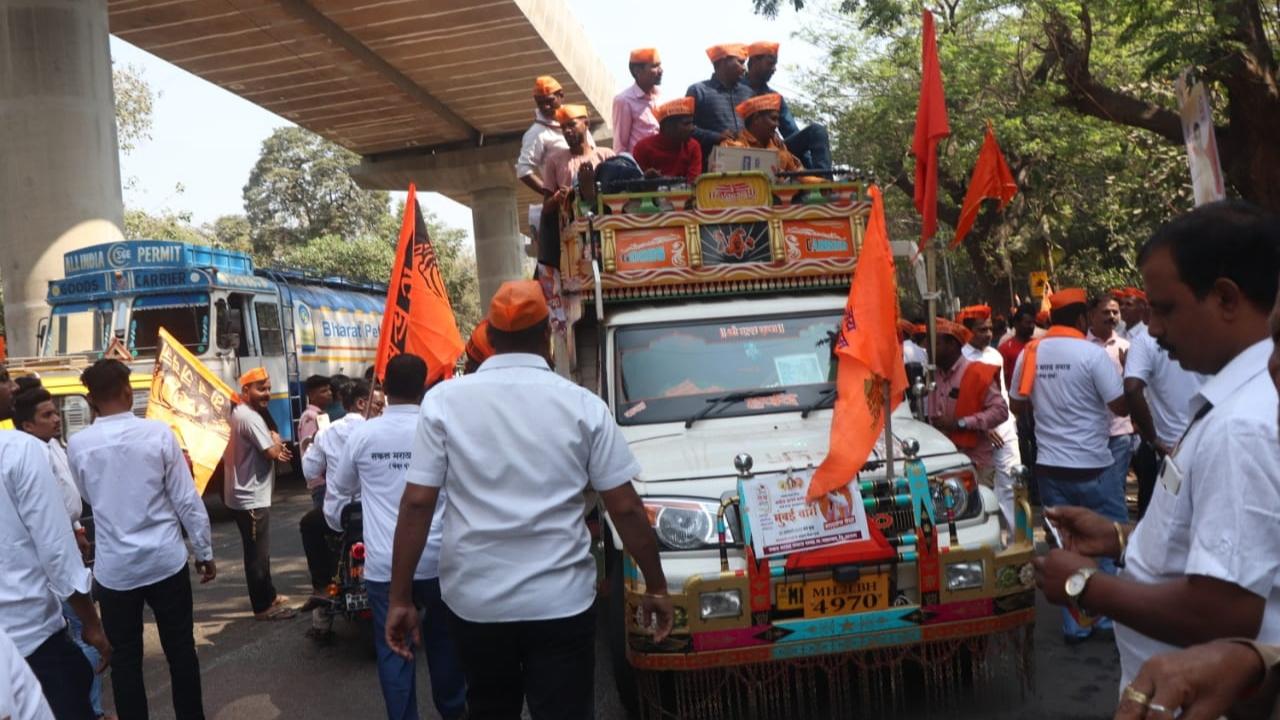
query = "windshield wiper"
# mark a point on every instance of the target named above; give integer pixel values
(722, 401)
(820, 402)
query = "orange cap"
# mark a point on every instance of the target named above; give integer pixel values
(905, 327)
(719, 52)
(978, 312)
(919, 329)
(545, 85)
(1068, 296)
(645, 55)
(762, 47)
(751, 106)
(954, 329)
(518, 305)
(568, 113)
(250, 377)
(1138, 294)
(478, 347)
(679, 106)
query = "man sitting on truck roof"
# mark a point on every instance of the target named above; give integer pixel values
(672, 152)
(716, 98)
(811, 144)
(760, 118)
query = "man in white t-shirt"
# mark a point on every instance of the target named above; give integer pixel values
(1004, 438)
(249, 477)
(515, 446)
(1074, 390)
(1202, 564)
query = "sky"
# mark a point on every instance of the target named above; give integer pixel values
(205, 140)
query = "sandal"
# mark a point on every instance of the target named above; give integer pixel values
(279, 610)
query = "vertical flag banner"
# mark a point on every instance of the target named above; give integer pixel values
(1201, 140)
(931, 127)
(418, 318)
(991, 180)
(869, 356)
(194, 402)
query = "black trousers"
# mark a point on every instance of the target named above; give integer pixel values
(548, 663)
(170, 602)
(1146, 465)
(65, 676)
(255, 536)
(317, 544)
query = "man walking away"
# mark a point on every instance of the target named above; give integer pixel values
(1104, 319)
(372, 470)
(515, 568)
(249, 468)
(39, 567)
(1071, 384)
(1202, 564)
(135, 477)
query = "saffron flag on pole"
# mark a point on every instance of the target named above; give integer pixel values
(931, 127)
(194, 402)
(991, 180)
(869, 357)
(418, 318)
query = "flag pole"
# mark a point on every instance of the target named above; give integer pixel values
(888, 432)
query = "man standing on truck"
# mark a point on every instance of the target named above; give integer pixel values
(515, 568)
(134, 475)
(372, 470)
(715, 99)
(966, 403)
(249, 477)
(40, 567)
(634, 108)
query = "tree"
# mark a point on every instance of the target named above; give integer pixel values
(231, 232)
(300, 190)
(168, 225)
(134, 100)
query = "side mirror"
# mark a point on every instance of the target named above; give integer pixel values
(230, 325)
(42, 332)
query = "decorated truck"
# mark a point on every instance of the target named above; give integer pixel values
(706, 317)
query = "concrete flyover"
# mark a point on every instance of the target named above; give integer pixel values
(431, 91)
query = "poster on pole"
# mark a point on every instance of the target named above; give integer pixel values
(1039, 281)
(194, 402)
(783, 521)
(1202, 143)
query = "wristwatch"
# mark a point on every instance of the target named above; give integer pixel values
(1075, 585)
(962, 424)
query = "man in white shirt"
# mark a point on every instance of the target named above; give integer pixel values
(1202, 564)
(249, 477)
(1004, 438)
(1074, 390)
(1104, 319)
(1134, 310)
(40, 567)
(1160, 392)
(135, 477)
(515, 446)
(20, 695)
(372, 472)
(35, 414)
(321, 460)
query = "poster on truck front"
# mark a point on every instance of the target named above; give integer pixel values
(783, 522)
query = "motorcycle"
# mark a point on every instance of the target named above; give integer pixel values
(348, 597)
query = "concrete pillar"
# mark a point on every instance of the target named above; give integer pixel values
(59, 162)
(499, 256)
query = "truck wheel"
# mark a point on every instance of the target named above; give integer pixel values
(623, 674)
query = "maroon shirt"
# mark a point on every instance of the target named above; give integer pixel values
(1010, 349)
(668, 159)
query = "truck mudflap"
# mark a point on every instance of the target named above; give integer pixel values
(776, 633)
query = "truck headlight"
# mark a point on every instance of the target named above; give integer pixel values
(720, 604)
(685, 524)
(965, 576)
(957, 491)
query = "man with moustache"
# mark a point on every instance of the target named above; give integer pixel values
(714, 100)
(634, 109)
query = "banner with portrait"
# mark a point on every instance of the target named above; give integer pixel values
(194, 402)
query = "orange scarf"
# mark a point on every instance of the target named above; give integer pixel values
(1028, 377)
(973, 391)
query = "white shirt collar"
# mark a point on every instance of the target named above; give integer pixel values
(400, 409)
(510, 360)
(1242, 368)
(115, 417)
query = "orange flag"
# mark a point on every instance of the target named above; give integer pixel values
(991, 180)
(869, 355)
(931, 127)
(418, 318)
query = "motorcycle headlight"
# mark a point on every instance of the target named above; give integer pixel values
(685, 524)
(956, 491)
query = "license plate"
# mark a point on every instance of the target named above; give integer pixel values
(824, 598)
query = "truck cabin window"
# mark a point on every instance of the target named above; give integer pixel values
(82, 327)
(184, 316)
(669, 372)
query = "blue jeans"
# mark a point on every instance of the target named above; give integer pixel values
(1121, 447)
(1098, 492)
(396, 675)
(76, 628)
(812, 146)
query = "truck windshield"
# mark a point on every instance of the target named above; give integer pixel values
(184, 315)
(77, 328)
(669, 371)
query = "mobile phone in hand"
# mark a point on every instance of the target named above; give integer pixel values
(1051, 533)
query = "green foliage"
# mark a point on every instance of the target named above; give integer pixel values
(134, 99)
(231, 232)
(168, 225)
(300, 190)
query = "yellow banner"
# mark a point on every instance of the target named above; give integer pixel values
(194, 402)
